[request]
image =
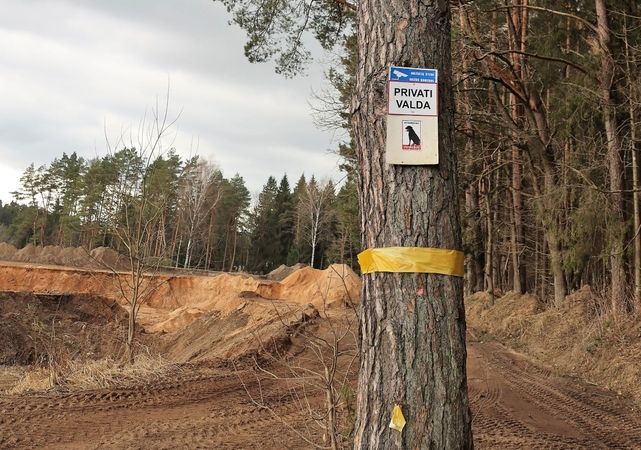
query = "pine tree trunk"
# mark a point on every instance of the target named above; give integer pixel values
(412, 326)
(475, 253)
(518, 259)
(489, 248)
(518, 43)
(614, 160)
(233, 254)
(227, 238)
(477, 258)
(556, 256)
(631, 62)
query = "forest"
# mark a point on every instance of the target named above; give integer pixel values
(548, 121)
(548, 106)
(194, 217)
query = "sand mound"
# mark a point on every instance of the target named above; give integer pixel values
(30, 253)
(178, 319)
(253, 326)
(174, 301)
(108, 257)
(283, 271)
(98, 258)
(6, 251)
(338, 285)
(50, 255)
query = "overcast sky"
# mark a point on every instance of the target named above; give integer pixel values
(71, 69)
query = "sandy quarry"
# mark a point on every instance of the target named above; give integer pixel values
(213, 330)
(174, 300)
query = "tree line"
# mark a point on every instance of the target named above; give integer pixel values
(193, 217)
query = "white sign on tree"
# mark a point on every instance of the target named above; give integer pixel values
(412, 120)
(416, 99)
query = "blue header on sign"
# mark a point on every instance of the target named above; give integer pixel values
(412, 75)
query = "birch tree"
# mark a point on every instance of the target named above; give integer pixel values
(199, 194)
(316, 213)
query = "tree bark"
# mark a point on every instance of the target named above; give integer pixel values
(518, 42)
(630, 63)
(412, 326)
(489, 245)
(233, 254)
(475, 255)
(614, 161)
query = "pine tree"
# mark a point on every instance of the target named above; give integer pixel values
(265, 245)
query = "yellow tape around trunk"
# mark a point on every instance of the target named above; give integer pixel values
(412, 259)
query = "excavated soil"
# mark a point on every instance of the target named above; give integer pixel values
(516, 405)
(34, 326)
(233, 342)
(98, 258)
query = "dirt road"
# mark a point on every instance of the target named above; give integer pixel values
(516, 405)
(519, 405)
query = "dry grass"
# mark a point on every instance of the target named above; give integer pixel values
(100, 374)
(579, 339)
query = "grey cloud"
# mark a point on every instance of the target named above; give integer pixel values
(69, 67)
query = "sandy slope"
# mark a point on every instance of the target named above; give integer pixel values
(173, 301)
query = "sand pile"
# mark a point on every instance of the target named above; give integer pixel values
(228, 315)
(98, 258)
(6, 251)
(337, 286)
(283, 271)
(174, 301)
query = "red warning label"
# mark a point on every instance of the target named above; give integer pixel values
(411, 134)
